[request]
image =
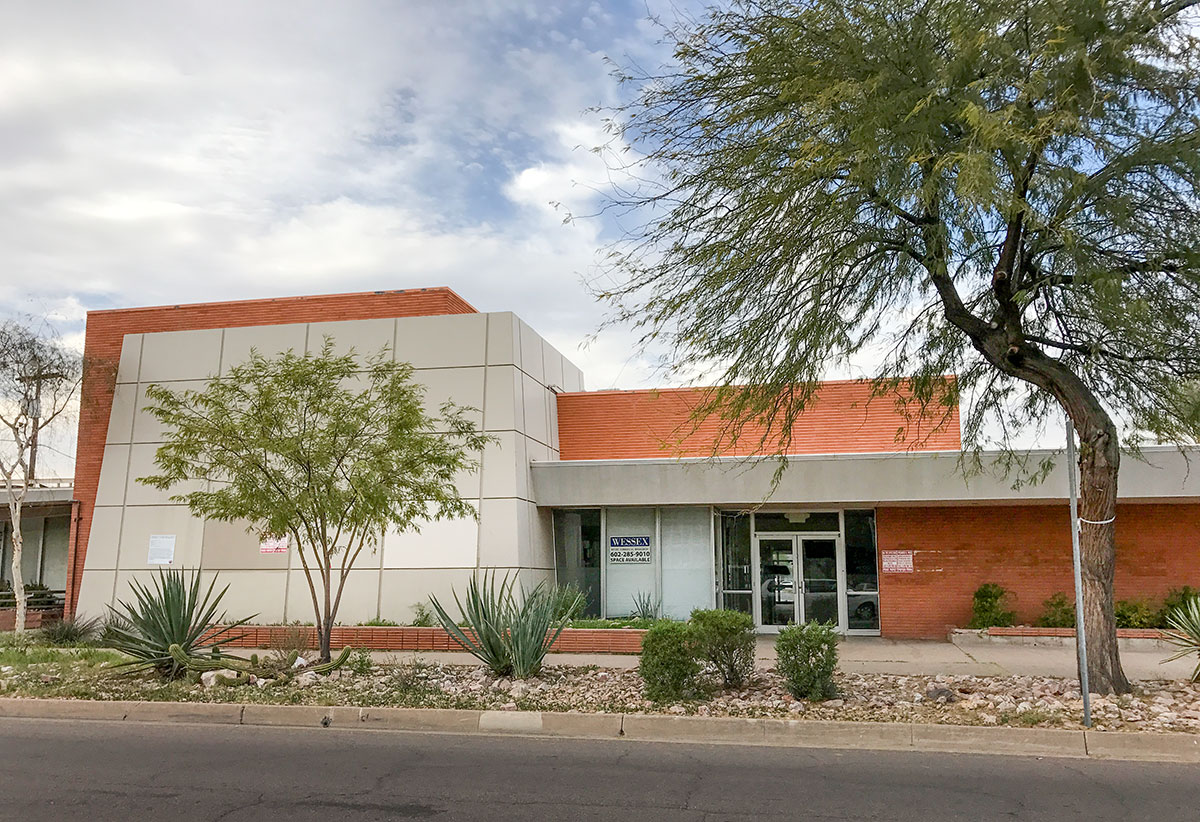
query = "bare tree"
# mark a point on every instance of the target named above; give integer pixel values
(39, 378)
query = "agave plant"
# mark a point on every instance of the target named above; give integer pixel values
(509, 633)
(173, 610)
(1184, 632)
(645, 606)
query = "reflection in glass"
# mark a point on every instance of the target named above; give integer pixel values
(577, 554)
(862, 573)
(820, 580)
(797, 521)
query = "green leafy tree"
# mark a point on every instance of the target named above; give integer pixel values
(1003, 191)
(316, 449)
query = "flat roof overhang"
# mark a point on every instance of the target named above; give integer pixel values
(1162, 474)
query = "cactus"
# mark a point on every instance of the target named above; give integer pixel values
(245, 668)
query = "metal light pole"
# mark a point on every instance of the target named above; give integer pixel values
(34, 411)
(1080, 634)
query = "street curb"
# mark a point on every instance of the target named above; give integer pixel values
(792, 733)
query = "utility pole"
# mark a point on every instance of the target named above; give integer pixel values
(1080, 635)
(34, 411)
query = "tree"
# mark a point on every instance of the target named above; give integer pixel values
(314, 449)
(39, 378)
(1003, 191)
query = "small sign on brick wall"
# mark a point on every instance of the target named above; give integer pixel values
(897, 562)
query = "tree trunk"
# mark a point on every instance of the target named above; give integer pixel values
(1099, 461)
(18, 581)
(325, 630)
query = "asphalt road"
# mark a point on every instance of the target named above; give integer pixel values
(96, 771)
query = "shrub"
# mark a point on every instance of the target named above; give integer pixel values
(569, 601)
(422, 616)
(1057, 612)
(70, 632)
(36, 595)
(172, 610)
(668, 663)
(725, 639)
(1176, 599)
(379, 622)
(1135, 613)
(360, 662)
(645, 606)
(509, 634)
(988, 607)
(1183, 632)
(806, 658)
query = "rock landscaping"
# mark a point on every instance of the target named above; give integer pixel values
(961, 700)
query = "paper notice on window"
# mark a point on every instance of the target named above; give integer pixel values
(162, 549)
(273, 545)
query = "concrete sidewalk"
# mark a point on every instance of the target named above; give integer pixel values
(875, 655)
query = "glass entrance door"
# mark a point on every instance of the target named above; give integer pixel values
(777, 599)
(785, 596)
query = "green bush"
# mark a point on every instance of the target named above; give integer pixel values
(569, 601)
(806, 656)
(1136, 613)
(423, 617)
(509, 633)
(1176, 599)
(669, 665)
(379, 622)
(360, 662)
(70, 632)
(988, 607)
(36, 596)
(725, 640)
(1057, 612)
(172, 610)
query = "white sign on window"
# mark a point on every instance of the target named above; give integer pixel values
(629, 550)
(897, 562)
(162, 549)
(273, 545)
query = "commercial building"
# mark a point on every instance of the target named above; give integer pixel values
(872, 526)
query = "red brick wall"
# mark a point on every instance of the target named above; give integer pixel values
(843, 418)
(102, 352)
(1027, 549)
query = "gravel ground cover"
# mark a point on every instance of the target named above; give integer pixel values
(959, 700)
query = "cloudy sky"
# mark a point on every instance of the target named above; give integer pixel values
(177, 152)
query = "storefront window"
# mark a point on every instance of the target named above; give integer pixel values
(687, 566)
(631, 553)
(736, 582)
(862, 573)
(577, 554)
(797, 521)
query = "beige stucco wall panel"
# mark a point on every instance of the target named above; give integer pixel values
(503, 409)
(440, 544)
(227, 545)
(531, 351)
(446, 341)
(463, 386)
(168, 356)
(503, 339)
(500, 532)
(366, 337)
(401, 589)
(131, 358)
(360, 598)
(142, 522)
(113, 473)
(95, 594)
(536, 398)
(268, 340)
(258, 594)
(503, 464)
(121, 418)
(103, 539)
(141, 464)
